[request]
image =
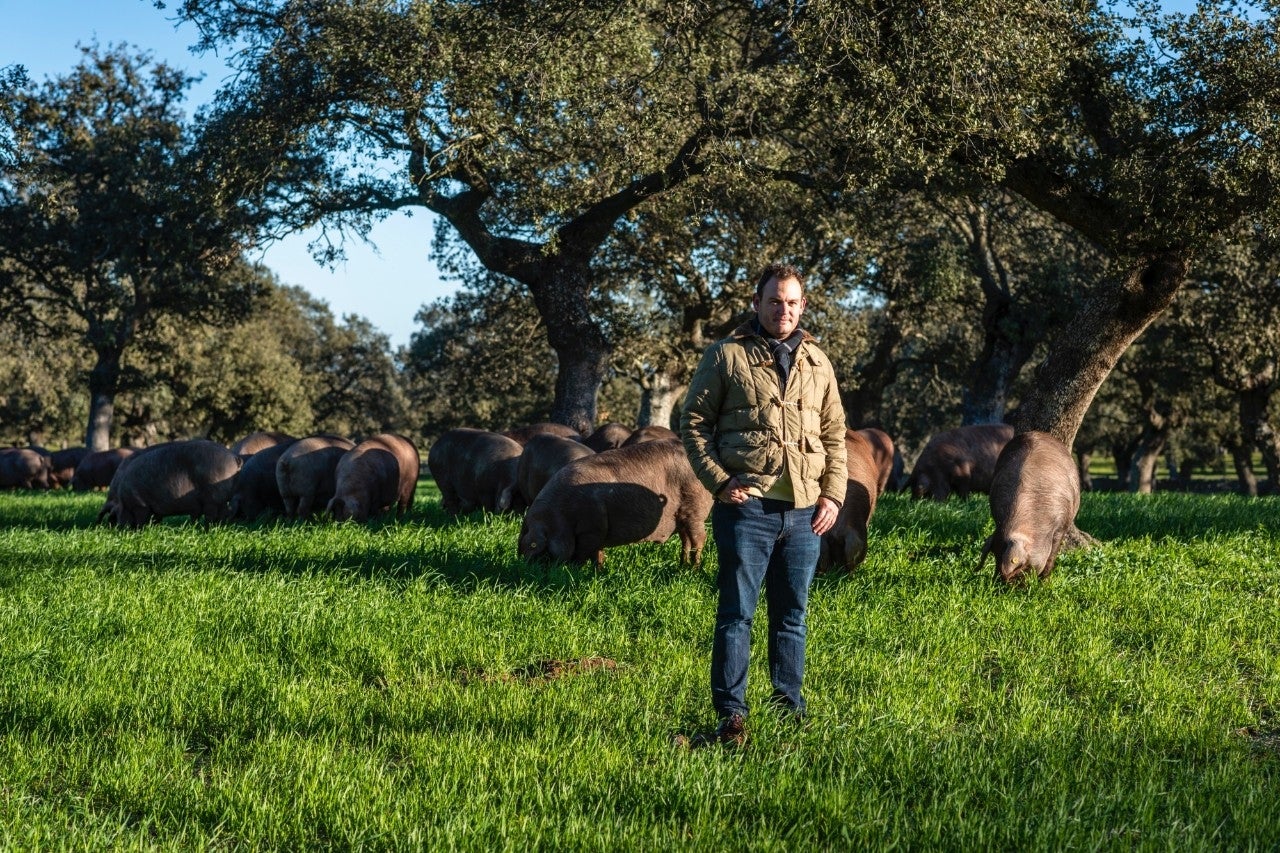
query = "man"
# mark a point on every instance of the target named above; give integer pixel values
(764, 430)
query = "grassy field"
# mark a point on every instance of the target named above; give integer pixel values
(415, 686)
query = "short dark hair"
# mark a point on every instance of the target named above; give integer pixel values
(781, 272)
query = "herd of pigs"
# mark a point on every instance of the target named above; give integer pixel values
(578, 494)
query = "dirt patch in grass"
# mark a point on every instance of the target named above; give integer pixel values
(1265, 738)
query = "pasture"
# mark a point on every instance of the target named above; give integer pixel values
(415, 686)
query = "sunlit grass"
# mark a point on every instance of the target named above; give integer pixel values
(412, 684)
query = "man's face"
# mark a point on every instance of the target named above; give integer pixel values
(779, 306)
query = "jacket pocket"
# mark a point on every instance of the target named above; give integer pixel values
(752, 452)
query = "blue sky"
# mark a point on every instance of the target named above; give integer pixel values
(386, 284)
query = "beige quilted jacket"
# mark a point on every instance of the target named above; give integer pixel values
(735, 421)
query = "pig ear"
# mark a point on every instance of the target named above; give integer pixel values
(561, 546)
(503, 502)
(986, 549)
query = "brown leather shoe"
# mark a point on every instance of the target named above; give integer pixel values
(731, 732)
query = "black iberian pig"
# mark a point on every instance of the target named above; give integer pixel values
(650, 433)
(23, 468)
(96, 470)
(193, 478)
(960, 461)
(257, 490)
(255, 441)
(608, 436)
(1035, 495)
(306, 473)
(543, 456)
(476, 469)
(375, 475)
(641, 493)
(522, 434)
(869, 459)
(62, 465)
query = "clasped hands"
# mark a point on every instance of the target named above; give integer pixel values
(824, 514)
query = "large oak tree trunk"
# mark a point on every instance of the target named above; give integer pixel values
(987, 392)
(562, 299)
(1256, 430)
(104, 379)
(658, 394)
(1242, 459)
(1084, 352)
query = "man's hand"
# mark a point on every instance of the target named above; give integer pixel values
(824, 515)
(733, 492)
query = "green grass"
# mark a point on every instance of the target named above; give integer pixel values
(388, 687)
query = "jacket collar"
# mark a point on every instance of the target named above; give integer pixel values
(751, 329)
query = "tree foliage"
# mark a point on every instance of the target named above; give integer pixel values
(102, 228)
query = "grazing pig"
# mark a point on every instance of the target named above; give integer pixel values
(524, 433)
(886, 456)
(959, 460)
(476, 469)
(193, 478)
(374, 475)
(608, 436)
(869, 458)
(650, 433)
(543, 456)
(642, 493)
(1035, 495)
(256, 441)
(257, 490)
(23, 468)
(96, 470)
(62, 465)
(306, 473)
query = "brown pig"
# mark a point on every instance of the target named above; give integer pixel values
(522, 434)
(306, 473)
(886, 456)
(373, 476)
(476, 469)
(543, 456)
(642, 493)
(253, 442)
(959, 461)
(96, 470)
(193, 478)
(23, 468)
(608, 436)
(1034, 498)
(62, 465)
(869, 459)
(257, 491)
(650, 433)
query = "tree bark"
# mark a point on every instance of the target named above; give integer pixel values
(987, 392)
(658, 394)
(1084, 352)
(1256, 431)
(1142, 478)
(1083, 458)
(104, 379)
(1242, 459)
(1122, 455)
(561, 293)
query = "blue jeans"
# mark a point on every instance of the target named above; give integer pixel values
(771, 544)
